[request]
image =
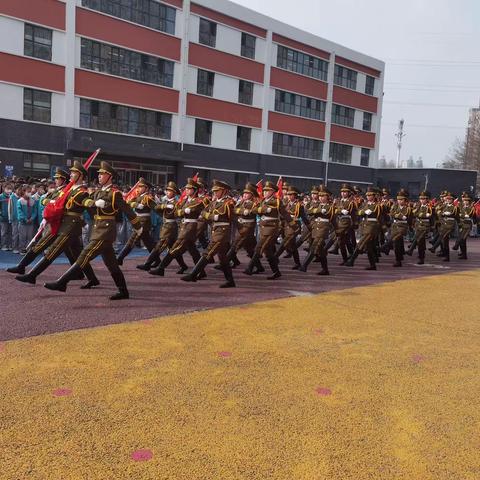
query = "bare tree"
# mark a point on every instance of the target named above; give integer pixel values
(456, 155)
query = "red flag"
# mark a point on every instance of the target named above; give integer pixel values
(53, 212)
(260, 188)
(184, 193)
(280, 187)
(132, 193)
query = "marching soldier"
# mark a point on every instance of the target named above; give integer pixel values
(346, 211)
(466, 219)
(272, 211)
(202, 225)
(322, 215)
(372, 215)
(424, 217)
(68, 237)
(306, 235)
(447, 213)
(108, 203)
(188, 210)
(220, 213)
(143, 205)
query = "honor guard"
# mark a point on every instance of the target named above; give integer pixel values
(466, 219)
(107, 202)
(447, 213)
(346, 212)
(202, 225)
(424, 216)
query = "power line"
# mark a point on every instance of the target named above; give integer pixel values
(433, 89)
(427, 104)
(427, 126)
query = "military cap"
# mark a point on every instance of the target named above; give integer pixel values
(357, 190)
(201, 182)
(385, 191)
(105, 167)
(371, 190)
(60, 173)
(219, 185)
(323, 190)
(251, 188)
(424, 194)
(143, 183)
(292, 190)
(191, 183)
(346, 188)
(314, 189)
(448, 194)
(173, 187)
(402, 194)
(466, 196)
(78, 167)
(443, 193)
(270, 186)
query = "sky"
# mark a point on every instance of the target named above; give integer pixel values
(432, 55)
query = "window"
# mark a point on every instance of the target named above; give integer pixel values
(37, 42)
(126, 63)
(205, 82)
(37, 105)
(345, 77)
(367, 121)
(243, 138)
(149, 13)
(292, 146)
(208, 33)
(295, 104)
(203, 131)
(369, 85)
(340, 153)
(36, 164)
(365, 157)
(248, 46)
(245, 92)
(121, 119)
(302, 63)
(343, 115)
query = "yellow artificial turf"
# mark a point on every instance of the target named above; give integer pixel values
(378, 382)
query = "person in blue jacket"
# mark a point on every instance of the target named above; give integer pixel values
(27, 215)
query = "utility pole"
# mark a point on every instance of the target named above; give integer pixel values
(399, 136)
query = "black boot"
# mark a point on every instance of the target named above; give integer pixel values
(121, 284)
(273, 262)
(280, 250)
(372, 261)
(258, 267)
(457, 244)
(307, 262)
(352, 258)
(92, 278)
(232, 257)
(152, 258)
(296, 259)
(386, 247)
(26, 260)
(437, 243)
(160, 270)
(412, 247)
(343, 251)
(32, 275)
(227, 271)
(61, 284)
(123, 253)
(252, 264)
(197, 270)
(183, 266)
(324, 270)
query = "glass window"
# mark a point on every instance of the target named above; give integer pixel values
(248, 46)
(121, 119)
(101, 57)
(292, 146)
(299, 105)
(365, 157)
(340, 153)
(148, 13)
(367, 121)
(203, 131)
(37, 42)
(37, 105)
(345, 77)
(343, 115)
(302, 63)
(369, 85)
(36, 164)
(245, 92)
(243, 138)
(205, 81)
(208, 33)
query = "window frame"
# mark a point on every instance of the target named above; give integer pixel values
(342, 115)
(207, 36)
(295, 146)
(364, 163)
(302, 63)
(34, 44)
(340, 153)
(369, 85)
(32, 109)
(248, 51)
(300, 105)
(345, 77)
(367, 121)
(248, 132)
(208, 124)
(245, 95)
(205, 82)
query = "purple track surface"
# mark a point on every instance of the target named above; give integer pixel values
(32, 310)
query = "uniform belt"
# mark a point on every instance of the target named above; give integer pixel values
(169, 220)
(104, 217)
(371, 220)
(319, 219)
(449, 218)
(344, 216)
(190, 220)
(246, 220)
(467, 220)
(220, 224)
(264, 218)
(142, 214)
(73, 214)
(400, 221)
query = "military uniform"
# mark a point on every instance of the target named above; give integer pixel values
(188, 211)
(466, 219)
(447, 213)
(143, 205)
(108, 203)
(202, 224)
(346, 212)
(424, 216)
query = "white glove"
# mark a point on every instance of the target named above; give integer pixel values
(324, 210)
(404, 217)
(447, 214)
(140, 206)
(427, 215)
(467, 216)
(368, 211)
(170, 206)
(52, 201)
(215, 217)
(187, 210)
(43, 223)
(344, 212)
(246, 212)
(100, 203)
(269, 210)
(139, 231)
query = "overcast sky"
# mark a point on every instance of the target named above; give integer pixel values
(432, 53)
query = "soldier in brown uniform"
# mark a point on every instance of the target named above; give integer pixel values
(322, 216)
(108, 202)
(143, 205)
(69, 233)
(466, 219)
(188, 211)
(447, 213)
(346, 212)
(424, 217)
(202, 225)
(401, 215)
(292, 229)
(220, 214)
(371, 213)
(168, 232)
(306, 235)
(47, 238)
(272, 211)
